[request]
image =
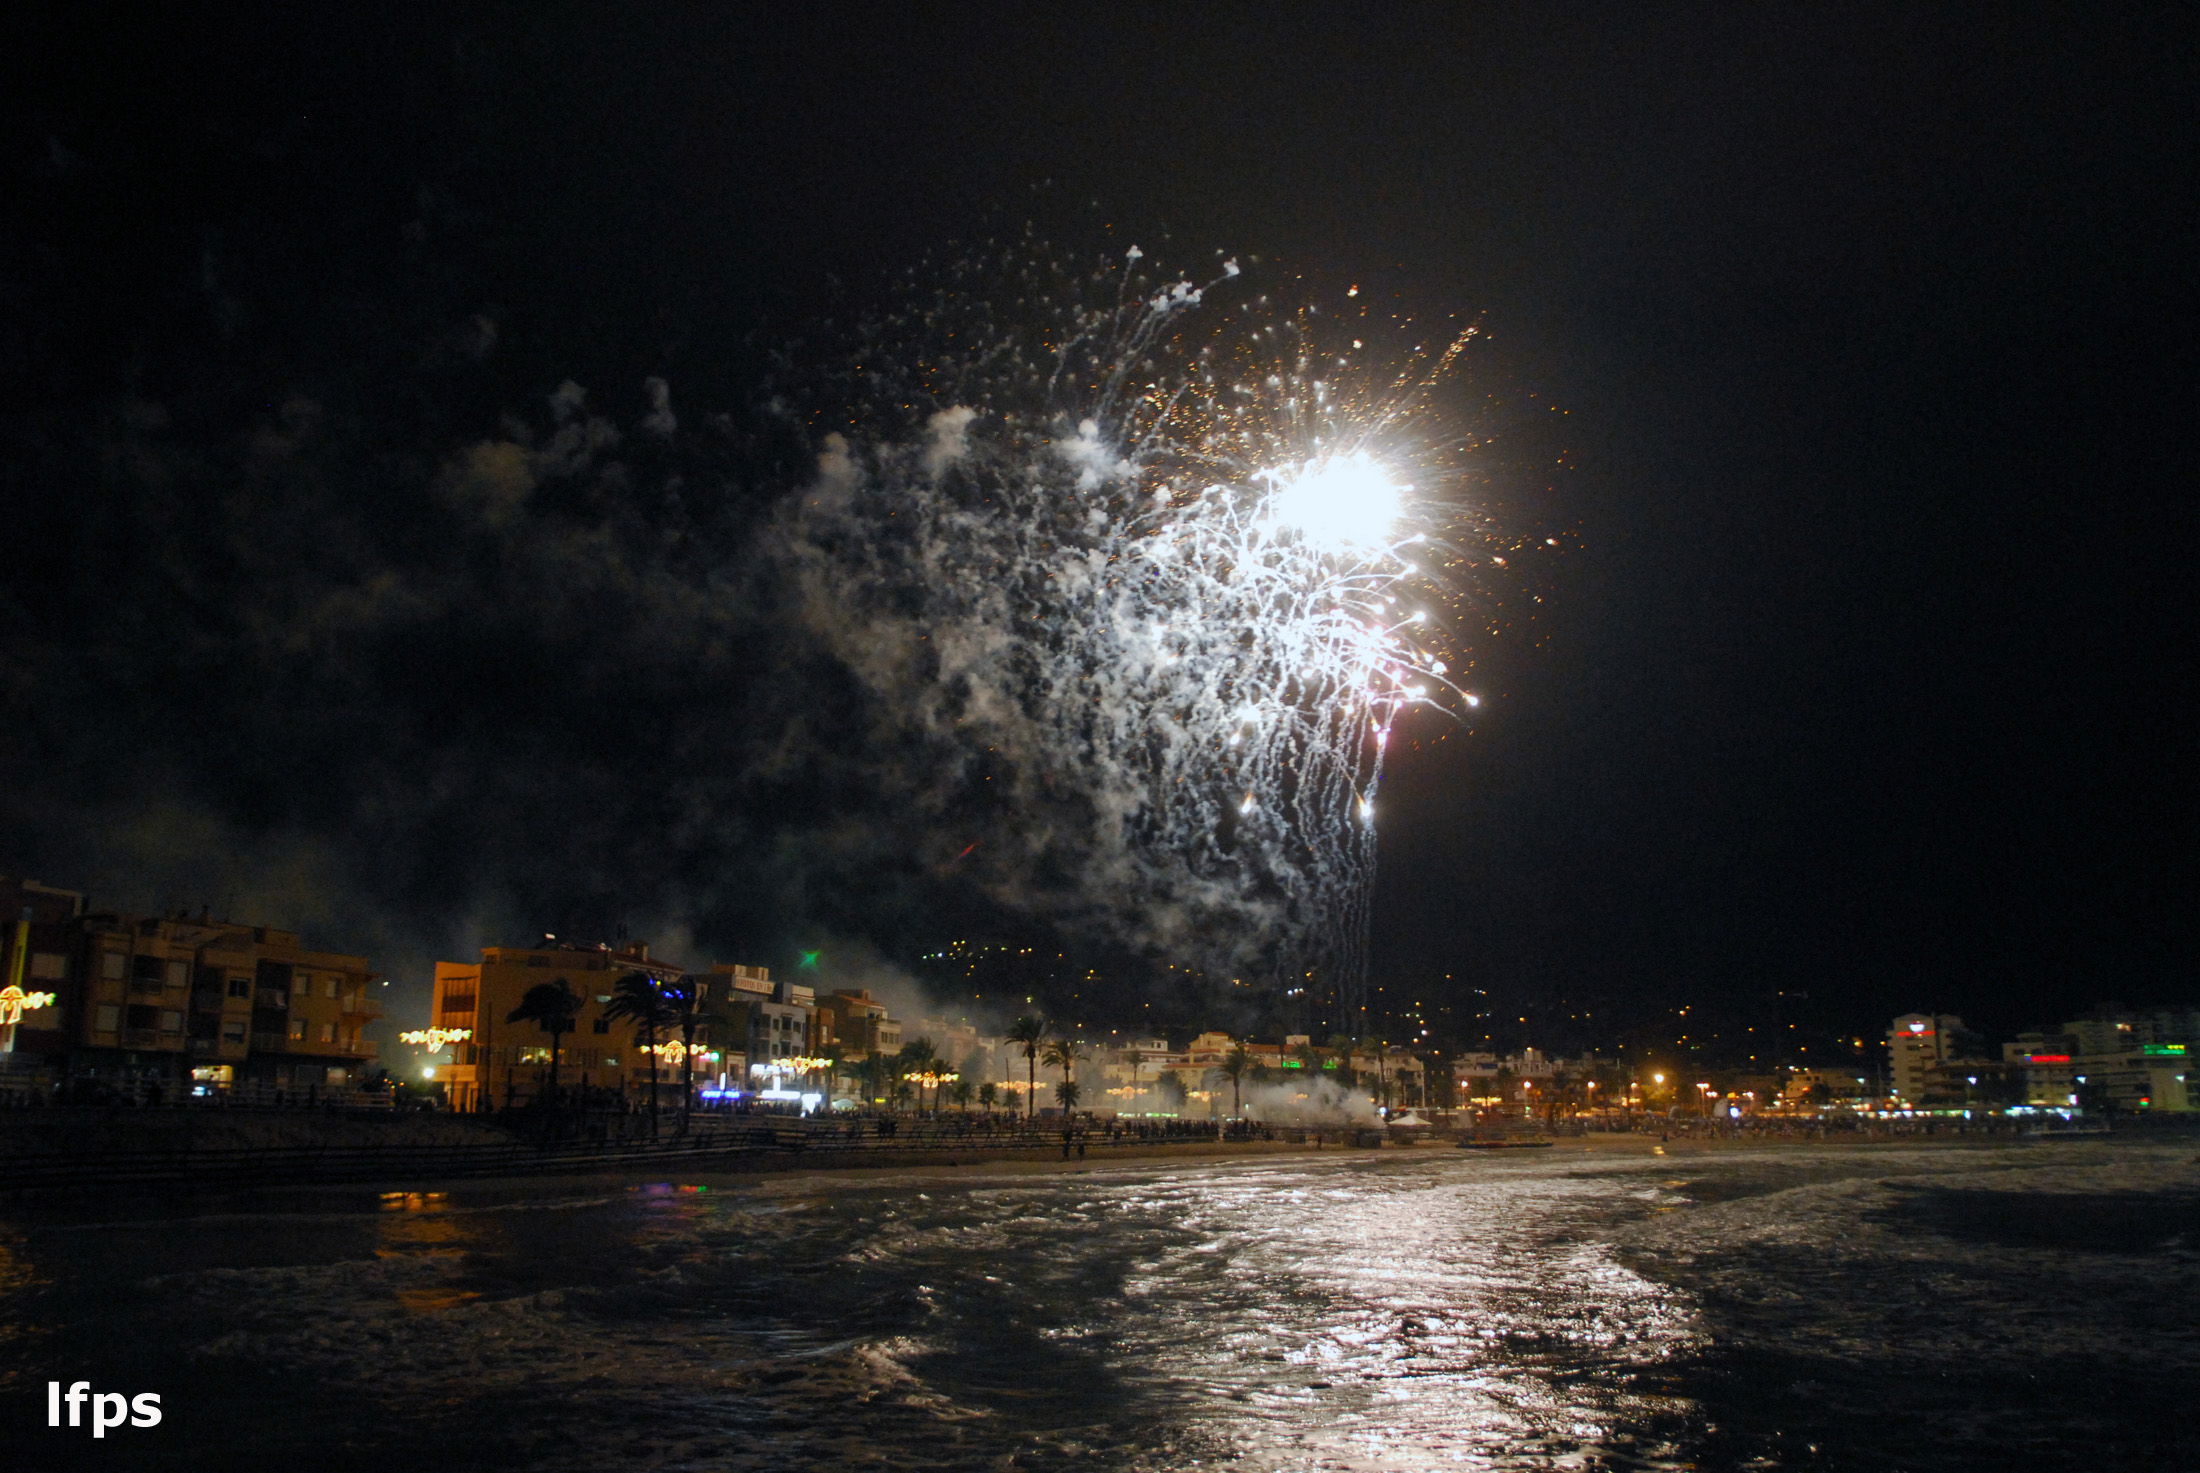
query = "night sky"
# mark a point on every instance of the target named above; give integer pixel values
(1848, 351)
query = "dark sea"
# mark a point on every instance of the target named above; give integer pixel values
(2018, 1306)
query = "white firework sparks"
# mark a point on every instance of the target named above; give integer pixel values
(1153, 576)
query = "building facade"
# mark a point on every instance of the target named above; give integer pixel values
(502, 1064)
(770, 1023)
(171, 999)
(1919, 1047)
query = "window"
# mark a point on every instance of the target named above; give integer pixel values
(603, 1025)
(179, 974)
(328, 988)
(611, 1061)
(107, 1017)
(297, 1030)
(142, 1016)
(328, 1033)
(112, 964)
(534, 1054)
(171, 1020)
(233, 1031)
(240, 987)
(49, 966)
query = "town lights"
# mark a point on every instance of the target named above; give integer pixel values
(792, 1064)
(435, 1040)
(15, 1002)
(673, 1051)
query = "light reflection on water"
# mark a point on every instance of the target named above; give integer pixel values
(1353, 1312)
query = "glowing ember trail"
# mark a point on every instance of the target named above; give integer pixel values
(1156, 574)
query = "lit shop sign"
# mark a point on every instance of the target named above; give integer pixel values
(2047, 1058)
(15, 1002)
(795, 1064)
(436, 1039)
(2175, 1050)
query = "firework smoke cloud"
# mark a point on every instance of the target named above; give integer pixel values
(1133, 579)
(1073, 593)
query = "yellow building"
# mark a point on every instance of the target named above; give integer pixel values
(501, 1064)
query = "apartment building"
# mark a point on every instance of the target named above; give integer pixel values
(502, 1064)
(857, 1024)
(174, 997)
(772, 1022)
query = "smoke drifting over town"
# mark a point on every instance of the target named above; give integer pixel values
(334, 658)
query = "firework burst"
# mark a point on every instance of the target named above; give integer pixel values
(1154, 572)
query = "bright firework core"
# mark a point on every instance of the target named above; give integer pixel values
(1347, 504)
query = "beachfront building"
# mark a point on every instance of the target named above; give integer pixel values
(773, 1023)
(1919, 1045)
(501, 1064)
(164, 1003)
(852, 1021)
(2127, 1062)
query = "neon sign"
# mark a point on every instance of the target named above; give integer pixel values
(434, 1040)
(674, 1051)
(15, 1002)
(793, 1064)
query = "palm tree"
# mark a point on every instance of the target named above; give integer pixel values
(639, 998)
(1067, 1093)
(550, 1006)
(1235, 1063)
(988, 1092)
(1063, 1054)
(694, 1015)
(1029, 1032)
(873, 1073)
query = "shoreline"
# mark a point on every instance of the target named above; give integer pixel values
(260, 1171)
